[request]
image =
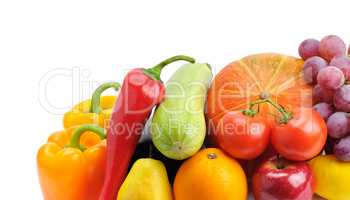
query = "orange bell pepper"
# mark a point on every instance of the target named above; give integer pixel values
(63, 137)
(69, 170)
(96, 110)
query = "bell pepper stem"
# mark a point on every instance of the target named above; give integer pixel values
(75, 140)
(154, 72)
(96, 96)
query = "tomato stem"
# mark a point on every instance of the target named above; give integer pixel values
(286, 116)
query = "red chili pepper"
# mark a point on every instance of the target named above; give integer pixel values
(142, 89)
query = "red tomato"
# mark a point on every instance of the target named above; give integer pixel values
(242, 136)
(302, 137)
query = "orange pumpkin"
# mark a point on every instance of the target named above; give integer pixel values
(255, 77)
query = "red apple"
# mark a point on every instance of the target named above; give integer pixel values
(279, 179)
(269, 154)
(250, 166)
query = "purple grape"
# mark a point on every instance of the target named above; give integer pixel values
(343, 63)
(330, 78)
(338, 124)
(320, 94)
(332, 46)
(311, 68)
(342, 149)
(342, 98)
(324, 109)
(309, 48)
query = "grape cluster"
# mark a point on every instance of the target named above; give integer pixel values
(327, 69)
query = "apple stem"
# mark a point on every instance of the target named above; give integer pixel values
(279, 163)
(286, 116)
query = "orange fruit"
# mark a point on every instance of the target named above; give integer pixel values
(209, 175)
(275, 76)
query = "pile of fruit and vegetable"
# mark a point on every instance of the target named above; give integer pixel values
(270, 124)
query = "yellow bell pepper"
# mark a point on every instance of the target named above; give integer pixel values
(96, 110)
(69, 170)
(332, 177)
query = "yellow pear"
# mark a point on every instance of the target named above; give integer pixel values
(332, 177)
(147, 180)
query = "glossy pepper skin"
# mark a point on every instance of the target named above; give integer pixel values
(96, 110)
(63, 137)
(142, 89)
(71, 171)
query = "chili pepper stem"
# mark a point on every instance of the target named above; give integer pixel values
(154, 72)
(95, 100)
(286, 116)
(75, 140)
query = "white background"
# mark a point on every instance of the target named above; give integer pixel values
(103, 39)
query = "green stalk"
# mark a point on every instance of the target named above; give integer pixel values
(286, 116)
(75, 140)
(154, 72)
(96, 96)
